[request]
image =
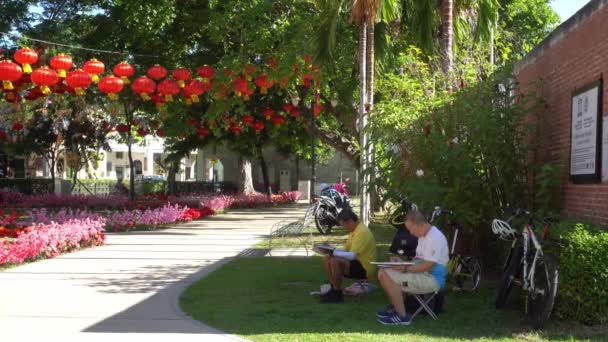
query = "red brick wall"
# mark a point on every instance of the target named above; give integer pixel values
(574, 56)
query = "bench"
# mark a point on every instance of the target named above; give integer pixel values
(293, 228)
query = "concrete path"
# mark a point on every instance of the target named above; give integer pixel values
(129, 289)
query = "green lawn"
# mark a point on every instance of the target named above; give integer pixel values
(268, 299)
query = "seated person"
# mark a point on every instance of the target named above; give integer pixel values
(354, 261)
(427, 275)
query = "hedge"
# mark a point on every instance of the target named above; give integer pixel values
(582, 293)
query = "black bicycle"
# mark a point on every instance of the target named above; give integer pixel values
(529, 267)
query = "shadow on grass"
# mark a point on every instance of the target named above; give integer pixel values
(268, 299)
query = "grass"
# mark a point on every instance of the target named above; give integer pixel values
(268, 299)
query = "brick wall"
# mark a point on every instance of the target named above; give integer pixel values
(573, 56)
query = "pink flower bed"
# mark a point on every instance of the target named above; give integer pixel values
(12, 199)
(50, 240)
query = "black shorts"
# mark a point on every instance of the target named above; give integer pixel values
(356, 270)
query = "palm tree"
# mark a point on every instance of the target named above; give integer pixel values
(447, 35)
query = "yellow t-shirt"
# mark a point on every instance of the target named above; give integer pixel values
(361, 242)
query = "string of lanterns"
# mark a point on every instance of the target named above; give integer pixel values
(157, 85)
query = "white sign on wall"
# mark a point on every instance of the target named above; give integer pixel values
(585, 145)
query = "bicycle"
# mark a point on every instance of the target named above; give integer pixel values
(529, 267)
(396, 216)
(464, 270)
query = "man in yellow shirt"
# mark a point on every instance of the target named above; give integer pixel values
(354, 261)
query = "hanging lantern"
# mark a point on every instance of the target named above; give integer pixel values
(156, 72)
(158, 100)
(121, 128)
(241, 87)
(61, 63)
(193, 90)
(306, 78)
(34, 94)
(26, 57)
(45, 77)
(206, 72)
(111, 85)
(105, 125)
(142, 132)
(268, 113)
(9, 72)
(264, 83)
(236, 129)
(79, 80)
(124, 70)
(248, 120)
(17, 126)
(202, 131)
(258, 126)
(181, 75)
(277, 120)
(94, 68)
(2, 135)
(168, 88)
(144, 87)
(160, 133)
(12, 96)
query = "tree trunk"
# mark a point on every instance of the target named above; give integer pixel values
(246, 179)
(171, 187)
(371, 151)
(131, 173)
(264, 166)
(297, 173)
(447, 8)
(365, 208)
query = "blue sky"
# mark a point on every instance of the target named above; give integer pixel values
(566, 8)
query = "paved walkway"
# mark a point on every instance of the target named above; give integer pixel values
(128, 289)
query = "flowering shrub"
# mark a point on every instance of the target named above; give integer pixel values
(195, 214)
(12, 199)
(50, 240)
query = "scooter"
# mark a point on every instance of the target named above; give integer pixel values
(327, 206)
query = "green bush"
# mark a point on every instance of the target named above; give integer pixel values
(582, 292)
(154, 187)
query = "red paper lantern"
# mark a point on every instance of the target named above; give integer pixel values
(264, 83)
(61, 63)
(121, 128)
(111, 85)
(306, 78)
(156, 72)
(94, 68)
(193, 90)
(124, 70)
(258, 126)
(79, 80)
(248, 120)
(144, 87)
(12, 96)
(317, 108)
(206, 72)
(277, 120)
(105, 125)
(202, 131)
(17, 126)
(168, 88)
(34, 94)
(181, 75)
(142, 132)
(236, 129)
(158, 100)
(161, 133)
(2, 135)
(241, 88)
(268, 113)
(26, 57)
(295, 112)
(45, 77)
(9, 72)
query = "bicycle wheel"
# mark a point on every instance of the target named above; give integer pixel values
(508, 277)
(324, 221)
(468, 273)
(541, 299)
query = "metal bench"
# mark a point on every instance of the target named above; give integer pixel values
(293, 228)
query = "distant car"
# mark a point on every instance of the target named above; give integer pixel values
(154, 178)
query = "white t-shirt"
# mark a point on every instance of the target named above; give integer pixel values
(433, 247)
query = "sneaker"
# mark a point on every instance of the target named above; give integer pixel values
(388, 311)
(333, 296)
(396, 319)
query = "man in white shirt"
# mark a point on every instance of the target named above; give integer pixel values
(427, 275)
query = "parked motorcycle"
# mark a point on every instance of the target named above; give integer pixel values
(327, 206)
